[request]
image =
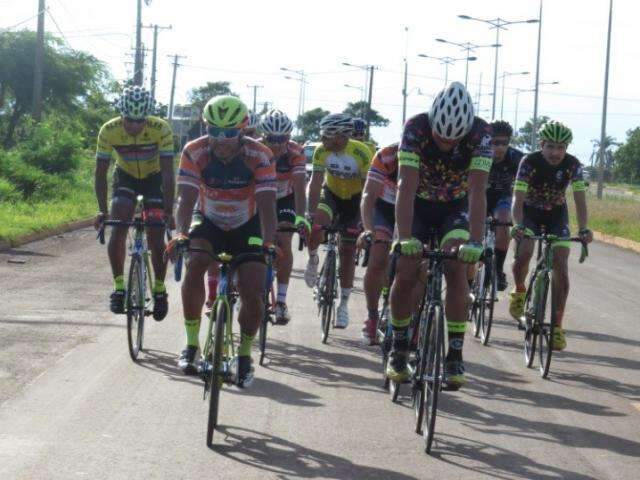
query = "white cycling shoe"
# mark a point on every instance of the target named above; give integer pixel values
(311, 272)
(342, 316)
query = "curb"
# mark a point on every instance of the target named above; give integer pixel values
(617, 241)
(34, 237)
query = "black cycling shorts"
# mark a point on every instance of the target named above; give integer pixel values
(384, 219)
(498, 200)
(554, 221)
(126, 186)
(286, 209)
(343, 213)
(447, 219)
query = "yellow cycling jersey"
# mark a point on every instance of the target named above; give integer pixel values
(137, 156)
(346, 171)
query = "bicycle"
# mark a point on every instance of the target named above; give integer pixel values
(217, 366)
(326, 290)
(140, 279)
(484, 285)
(270, 299)
(538, 320)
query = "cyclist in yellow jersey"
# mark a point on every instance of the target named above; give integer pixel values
(360, 133)
(142, 146)
(340, 168)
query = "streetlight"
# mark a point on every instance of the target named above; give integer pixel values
(357, 88)
(446, 61)
(301, 77)
(529, 90)
(370, 69)
(498, 24)
(504, 76)
(468, 47)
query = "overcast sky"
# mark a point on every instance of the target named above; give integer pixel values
(247, 42)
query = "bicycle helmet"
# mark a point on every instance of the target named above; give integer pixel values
(556, 132)
(136, 103)
(254, 120)
(359, 127)
(226, 111)
(451, 114)
(276, 122)
(336, 124)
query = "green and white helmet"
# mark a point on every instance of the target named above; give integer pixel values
(136, 103)
(556, 132)
(226, 111)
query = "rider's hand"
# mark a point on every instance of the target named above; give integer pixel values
(274, 250)
(177, 246)
(303, 225)
(100, 218)
(364, 239)
(410, 247)
(586, 235)
(517, 232)
(470, 252)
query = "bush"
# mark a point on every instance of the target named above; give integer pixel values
(8, 193)
(30, 182)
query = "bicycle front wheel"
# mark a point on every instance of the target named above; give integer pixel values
(418, 391)
(216, 373)
(531, 327)
(266, 318)
(136, 299)
(546, 323)
(489, 300)
(433, 373)
(478, 294)
(327, 294)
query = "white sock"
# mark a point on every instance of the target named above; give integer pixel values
(344, 296)
(282, 292)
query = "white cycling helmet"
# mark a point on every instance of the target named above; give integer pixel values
(254, 120)
(135, 102)
(336, 124)
(452, 114)
(276, 122)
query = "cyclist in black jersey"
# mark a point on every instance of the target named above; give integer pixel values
(539, 201)
(500, 190)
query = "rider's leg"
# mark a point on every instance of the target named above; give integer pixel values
(284, 264)
(193, 291)
(121, 209)
(375, 276)
(560, 279)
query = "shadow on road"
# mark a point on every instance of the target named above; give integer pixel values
(25, 253)
(166, 363)
(287, 459)
(278, 392)
(34, 323)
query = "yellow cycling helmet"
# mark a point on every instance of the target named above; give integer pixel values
(225, 111)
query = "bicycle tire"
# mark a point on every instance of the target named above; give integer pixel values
(421, 366)
(531, 329)
(435, 356)
(327, 295)
(545, 329)
(264, 324)
(479, 291)
(488, 302)
(135, 303)
(216, 376)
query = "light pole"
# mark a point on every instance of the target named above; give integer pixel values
(468, 47)
(498, 24)
(504, 76)
(534, 129)
(361, 89)
(301, 77)
(370, 69)
(529, 90)
(603, 131)
(446, 61)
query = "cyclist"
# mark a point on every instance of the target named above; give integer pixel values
(378, 222)
(253, 125)
(444, 161)
(142, 145)
(291, 197)
(234, 180)
(340, 167)
(540, 201)
(360, 134)
(500, 190)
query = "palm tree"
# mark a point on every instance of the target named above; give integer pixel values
(609, 143)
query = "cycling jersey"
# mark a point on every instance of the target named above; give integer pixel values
(503, 174)
(138, 156)
(346, 170)
(545, 184)
(444, 175)
(384, 170)
(288, 165)
(228, 190)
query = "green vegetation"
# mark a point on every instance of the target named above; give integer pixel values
(619, 217)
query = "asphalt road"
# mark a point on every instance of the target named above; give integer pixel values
(73, 405)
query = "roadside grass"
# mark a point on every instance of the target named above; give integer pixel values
(611, 215)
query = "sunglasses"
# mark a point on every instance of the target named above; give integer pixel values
(276, 139)
(219, 132)
(499, 143)
(135, 120)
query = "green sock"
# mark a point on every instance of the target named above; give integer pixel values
(118, 282)
(193, 329)
(158, 286)
(245, 345)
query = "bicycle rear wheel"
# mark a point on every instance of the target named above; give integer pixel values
(216, 373)
(546, 324)
(136, 298)
(488, 302)
(433, 373)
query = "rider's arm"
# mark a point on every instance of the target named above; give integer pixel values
(520, 189)
(408, 175)
(516, 209)
(266, 202)
(299, 183)
(372, 191)
(168, 184)
(315, 186)
(102, 167)
(187, 196)
(477, 203)
(581, 209)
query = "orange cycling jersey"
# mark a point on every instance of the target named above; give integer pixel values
(289, 165)
(228, 189)
(384, 170)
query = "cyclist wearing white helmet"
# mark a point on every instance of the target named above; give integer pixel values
(360, 134)
(444, 160)
(142, 147)
(253, 125)
(340, 168)
(291, 198)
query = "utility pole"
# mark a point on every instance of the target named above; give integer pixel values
(173, 85)
(39, 64)
(137, 69)
(255, 95)
(370, 91)
(603, 132)
(534, 129)
(155, 55)
(405, 93)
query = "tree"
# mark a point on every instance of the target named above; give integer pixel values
(359, 109)
(522, 138)
(627, 158)
(198, 97)
(594, 159)
(309, 125)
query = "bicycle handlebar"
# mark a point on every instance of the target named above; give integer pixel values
(547, 238)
